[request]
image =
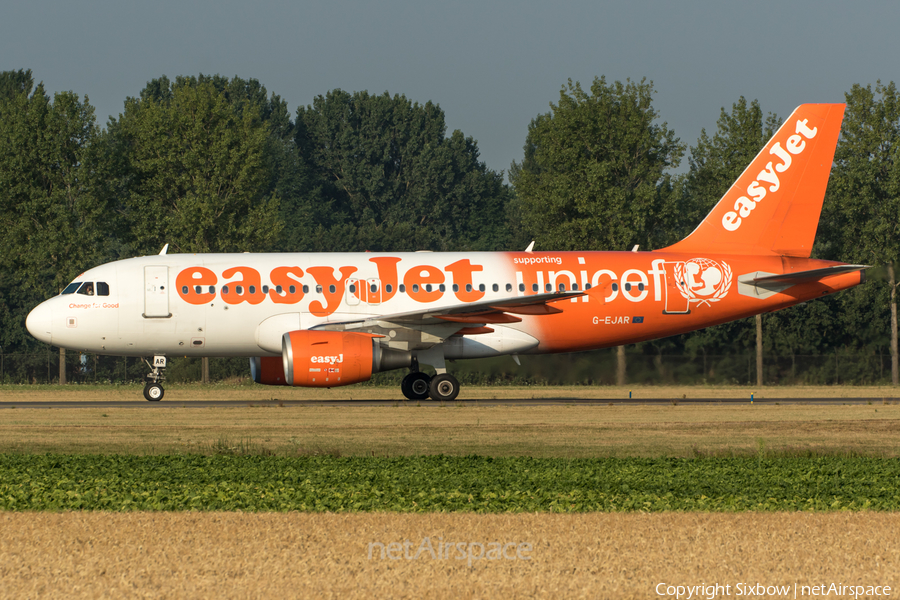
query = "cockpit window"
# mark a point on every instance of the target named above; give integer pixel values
(87, 288)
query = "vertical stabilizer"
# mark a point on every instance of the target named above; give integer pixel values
(774, 206)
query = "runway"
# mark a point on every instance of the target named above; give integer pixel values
(174, 403)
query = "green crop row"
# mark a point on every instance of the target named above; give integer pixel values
(445, 483)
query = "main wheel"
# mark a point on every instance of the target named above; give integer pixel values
(444, 387)
(153, 392)
(415, 385)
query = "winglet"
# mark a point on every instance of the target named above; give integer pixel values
(774, 206)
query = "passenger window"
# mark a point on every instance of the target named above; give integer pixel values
(212, 289)
(318, 289)
(331, 289)
(225, 290)
(427, 287)
(548, 287)
(293, 289)
(455, 287)
(508, 287)
(374, 288)
(521, 287)
(197, 289)
(184, 290)
(496, 288)
(278, 289)
(305, 289)
(102, 288)
(415, 288)
(562, 287)
(402, 288)
(574, 287)
(534, 287)
(389, 288)
(352, 288)
(480, 287)
(239, 290)
(442, 287)
(468, 287)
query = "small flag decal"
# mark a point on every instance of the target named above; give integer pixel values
(637, 319)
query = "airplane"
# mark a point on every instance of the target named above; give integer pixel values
(334, 319)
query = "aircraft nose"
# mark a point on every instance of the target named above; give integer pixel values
(39, 322)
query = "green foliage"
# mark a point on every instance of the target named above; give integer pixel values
(864, 191)
(716, 162)
(195, 169)
(593, 176)
(229, 480)
(387, 179)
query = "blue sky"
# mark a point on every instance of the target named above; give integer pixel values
(491, 65)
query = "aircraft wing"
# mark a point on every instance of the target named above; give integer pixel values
(426, 327)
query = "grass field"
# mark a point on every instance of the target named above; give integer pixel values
(592, 555)
(573, 431)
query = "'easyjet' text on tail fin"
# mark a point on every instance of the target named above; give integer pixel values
(774, 206)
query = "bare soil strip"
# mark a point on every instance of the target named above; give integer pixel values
(226, 555)
(542, 431)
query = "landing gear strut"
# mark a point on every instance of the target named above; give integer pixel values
(153, 389)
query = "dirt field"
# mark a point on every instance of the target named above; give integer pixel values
(551, 431)
(226, 555)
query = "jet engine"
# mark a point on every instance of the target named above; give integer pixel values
(313, 358)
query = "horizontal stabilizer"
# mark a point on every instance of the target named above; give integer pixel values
(805, 276)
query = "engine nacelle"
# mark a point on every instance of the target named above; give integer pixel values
(313, 358)
(268, 370)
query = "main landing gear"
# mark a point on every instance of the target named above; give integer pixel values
(419, 386)
(153, 389)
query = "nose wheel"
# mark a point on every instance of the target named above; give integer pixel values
(153, 392)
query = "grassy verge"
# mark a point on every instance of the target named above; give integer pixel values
(566, 431)
(443, 483)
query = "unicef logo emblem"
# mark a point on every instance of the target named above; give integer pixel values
(703, 280)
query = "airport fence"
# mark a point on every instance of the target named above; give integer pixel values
(587, 368)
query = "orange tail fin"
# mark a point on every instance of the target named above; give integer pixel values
(774, 206)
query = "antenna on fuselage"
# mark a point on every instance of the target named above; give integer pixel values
(163, 251)
(530, 247)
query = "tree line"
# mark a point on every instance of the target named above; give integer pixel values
(216, 164)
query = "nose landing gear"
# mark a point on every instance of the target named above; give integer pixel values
(153, 389)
